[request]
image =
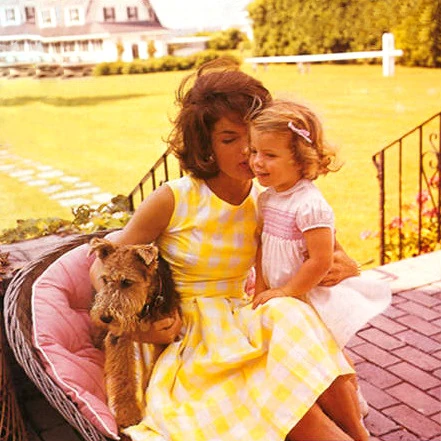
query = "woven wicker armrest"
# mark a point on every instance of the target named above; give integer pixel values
(18, 325)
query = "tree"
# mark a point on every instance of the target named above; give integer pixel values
(297, 27)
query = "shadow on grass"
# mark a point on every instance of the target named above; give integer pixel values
(58, 101)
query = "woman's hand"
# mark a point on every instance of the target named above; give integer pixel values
(163, 331)
(264, 296)
(342, 268)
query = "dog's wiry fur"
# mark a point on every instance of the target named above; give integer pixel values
(133, 277)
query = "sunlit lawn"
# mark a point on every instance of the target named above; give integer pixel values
(110, 130)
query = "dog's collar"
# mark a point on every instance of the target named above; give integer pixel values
(156, 301)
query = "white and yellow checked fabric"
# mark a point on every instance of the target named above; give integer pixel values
(209, 244)
(236, 374)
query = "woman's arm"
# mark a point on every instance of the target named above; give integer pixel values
(342, 267)
(148, 222)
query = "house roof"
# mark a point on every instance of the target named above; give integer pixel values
(83, 30)
(91, 27)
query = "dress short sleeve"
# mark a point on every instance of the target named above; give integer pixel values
(315, 213)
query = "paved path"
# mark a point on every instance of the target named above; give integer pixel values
(68, 191)
(397, 356)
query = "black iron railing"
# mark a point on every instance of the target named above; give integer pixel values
(409, 171)
(165, 168)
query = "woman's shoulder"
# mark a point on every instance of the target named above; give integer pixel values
(185, 186)
(184, 183)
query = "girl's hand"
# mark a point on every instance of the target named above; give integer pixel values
(163, 331)
(264, 296)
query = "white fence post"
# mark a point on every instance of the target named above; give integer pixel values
(388, 58)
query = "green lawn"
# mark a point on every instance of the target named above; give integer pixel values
(110, 130)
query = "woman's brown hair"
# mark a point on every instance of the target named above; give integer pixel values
(215, 90)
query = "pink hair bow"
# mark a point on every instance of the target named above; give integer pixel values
(301, 132)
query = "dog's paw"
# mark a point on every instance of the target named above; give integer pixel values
(129, 415)
(97, 336)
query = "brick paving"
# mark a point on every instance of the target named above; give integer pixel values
(397, 357)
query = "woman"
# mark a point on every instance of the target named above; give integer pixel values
(236, 373)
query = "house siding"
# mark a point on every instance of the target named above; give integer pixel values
(75, 31)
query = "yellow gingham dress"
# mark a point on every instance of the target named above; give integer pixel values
(236, 374)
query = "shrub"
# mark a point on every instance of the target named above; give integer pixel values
(161, 64)
(101, 69)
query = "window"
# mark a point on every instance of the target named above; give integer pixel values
(47, 18)
(97, 45)
(74, 15)
(109, 14)
(11, 16)
(30, 14)
(34, 45)
(132, 13)
(69, 46)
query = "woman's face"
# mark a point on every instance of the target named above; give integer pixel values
(230, 146)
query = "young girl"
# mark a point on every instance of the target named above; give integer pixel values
(296, 224)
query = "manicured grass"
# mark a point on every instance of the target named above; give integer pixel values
(109, 131)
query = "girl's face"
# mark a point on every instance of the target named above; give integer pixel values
(272, 161)
(230, 146)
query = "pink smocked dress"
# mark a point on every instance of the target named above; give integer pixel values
(344, 308)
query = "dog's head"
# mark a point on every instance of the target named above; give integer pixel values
(129, 283)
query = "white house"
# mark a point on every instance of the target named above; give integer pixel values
(79, 31)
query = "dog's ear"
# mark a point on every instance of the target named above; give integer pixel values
(101, 247)
(148, 253)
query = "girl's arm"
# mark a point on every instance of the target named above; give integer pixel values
(319, 243)
(148, 222)
(259, 284)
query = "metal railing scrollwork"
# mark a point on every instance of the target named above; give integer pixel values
(408, 172)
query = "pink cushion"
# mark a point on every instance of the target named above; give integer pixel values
(61, 299)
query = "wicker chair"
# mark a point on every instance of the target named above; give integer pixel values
(12, 426)
(18, 325)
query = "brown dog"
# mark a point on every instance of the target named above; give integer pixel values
(137, 289)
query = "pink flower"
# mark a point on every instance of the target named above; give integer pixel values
(396, 222)
(434, 181)
(366, 234)
(422, 197)
(432, 212)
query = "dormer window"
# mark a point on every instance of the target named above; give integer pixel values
(47, 18)
(109, 14)
(74, 16)
(30, 14)
(132, 13)
(11, 16)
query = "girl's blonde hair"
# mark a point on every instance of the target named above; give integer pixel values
(314, 155)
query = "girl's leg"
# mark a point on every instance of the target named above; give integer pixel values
(340, 403)
(317, 426)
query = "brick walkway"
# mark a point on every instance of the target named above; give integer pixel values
(397, 356)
